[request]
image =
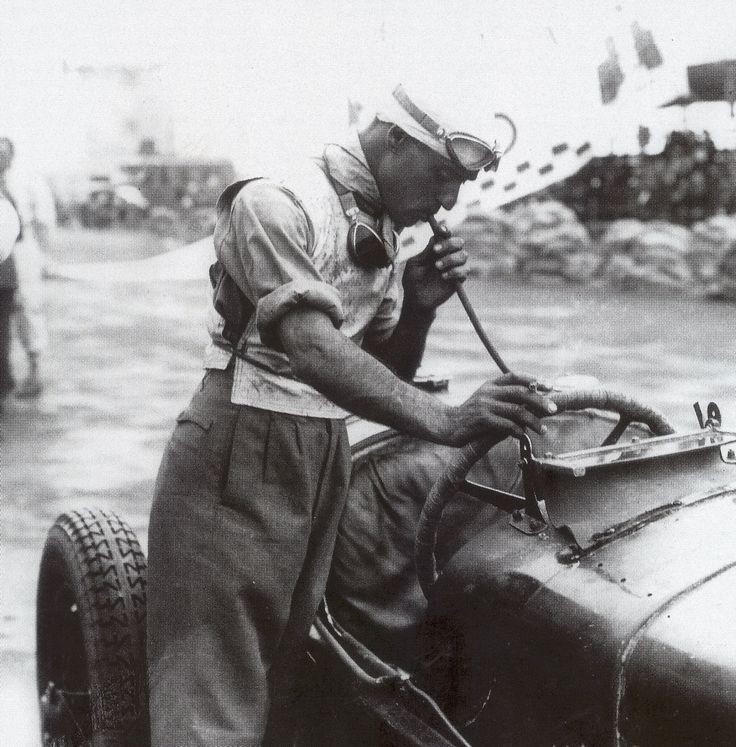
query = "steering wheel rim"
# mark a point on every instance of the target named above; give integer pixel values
(457, 470)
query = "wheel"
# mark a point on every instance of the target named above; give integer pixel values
(456, 471)
(90, 633)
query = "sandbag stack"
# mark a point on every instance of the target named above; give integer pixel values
(490, 240)
(657, 255)
(710, 241)
(554, 242)
(618, 238)
(724, 287)
(545, 238)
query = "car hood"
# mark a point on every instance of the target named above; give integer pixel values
(678, 673)
(631, 643)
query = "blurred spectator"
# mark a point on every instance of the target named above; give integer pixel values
(9, 226)
(9, 232)
(692, 177)
(35, 205)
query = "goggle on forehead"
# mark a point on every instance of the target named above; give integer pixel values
(468, 152)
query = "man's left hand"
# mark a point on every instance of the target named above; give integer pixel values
(431, 277)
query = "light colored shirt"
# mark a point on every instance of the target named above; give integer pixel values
(284, 242)
(32, 197)
(9, 227)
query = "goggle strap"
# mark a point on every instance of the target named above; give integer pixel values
(349, 206)
(389, 250)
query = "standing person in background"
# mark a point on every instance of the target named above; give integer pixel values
(9, 226)
(35, 206)
(9, 233)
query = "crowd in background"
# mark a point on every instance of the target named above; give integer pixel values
(690, 180)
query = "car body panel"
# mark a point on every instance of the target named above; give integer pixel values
(678, 679)
(557, 636)
(609, 627)
(602, 490)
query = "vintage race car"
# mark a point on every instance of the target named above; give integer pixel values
(572, 589)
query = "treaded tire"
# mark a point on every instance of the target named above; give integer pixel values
(90, 633)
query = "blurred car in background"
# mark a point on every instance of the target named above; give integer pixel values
(178, 183)
(164, 194)
(107, 203)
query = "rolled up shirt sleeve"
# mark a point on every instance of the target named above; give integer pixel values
(265, 242)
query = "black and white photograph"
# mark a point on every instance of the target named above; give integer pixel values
(368, 373)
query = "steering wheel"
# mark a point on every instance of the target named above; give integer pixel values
(453, 476)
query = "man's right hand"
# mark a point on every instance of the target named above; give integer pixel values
(506, 406)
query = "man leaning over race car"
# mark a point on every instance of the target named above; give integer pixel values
(254, 479)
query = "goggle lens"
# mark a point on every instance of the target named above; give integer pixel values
(472, 153)
(368, 246)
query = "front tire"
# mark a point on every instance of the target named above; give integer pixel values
(90, 633)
